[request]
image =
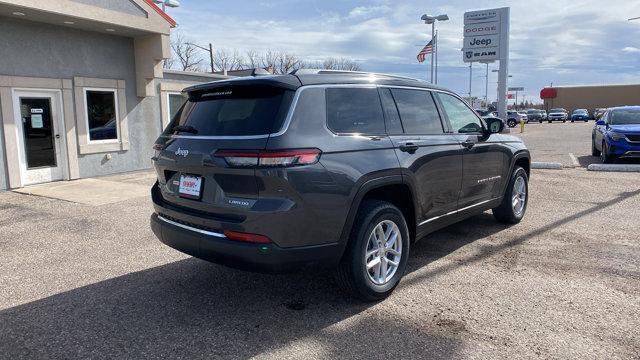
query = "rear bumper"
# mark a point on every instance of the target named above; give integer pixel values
(215, 247)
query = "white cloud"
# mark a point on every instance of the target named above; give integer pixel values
(368, 11)
(631, 49)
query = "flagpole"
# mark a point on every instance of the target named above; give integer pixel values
(436, 50)
(433, 33)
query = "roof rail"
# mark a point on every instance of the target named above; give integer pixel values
(346, 72)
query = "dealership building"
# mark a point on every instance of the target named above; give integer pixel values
(590, 97)
(82, 88)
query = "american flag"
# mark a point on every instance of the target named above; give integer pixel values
(428, 49)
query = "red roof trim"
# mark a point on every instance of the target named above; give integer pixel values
(170, 20)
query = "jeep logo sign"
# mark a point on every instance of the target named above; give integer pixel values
(486, 35)
(475, 42)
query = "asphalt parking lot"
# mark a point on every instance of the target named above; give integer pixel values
(82, 281)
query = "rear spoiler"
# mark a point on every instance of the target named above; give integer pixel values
(289, 82)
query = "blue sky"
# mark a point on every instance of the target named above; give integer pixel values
(564, 42)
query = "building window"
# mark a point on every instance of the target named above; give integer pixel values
(175, 102)
(101, 109)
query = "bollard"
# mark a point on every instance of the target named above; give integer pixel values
(521, 126)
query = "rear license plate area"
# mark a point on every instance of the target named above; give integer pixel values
(190, 186)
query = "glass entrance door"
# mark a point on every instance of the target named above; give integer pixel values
(40, 126)
(38, 132)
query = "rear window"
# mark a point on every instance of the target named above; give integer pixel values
(256, 110)
(354, 111)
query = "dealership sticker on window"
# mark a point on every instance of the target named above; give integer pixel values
(36, 111)
(36, 121)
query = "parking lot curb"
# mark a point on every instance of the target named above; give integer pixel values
(614, 167)
(546, 165)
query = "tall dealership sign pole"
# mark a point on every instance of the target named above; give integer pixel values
(486, 39)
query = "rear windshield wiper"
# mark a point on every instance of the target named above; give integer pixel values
(184, 128)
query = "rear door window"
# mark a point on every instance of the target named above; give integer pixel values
(354, 111)
(239, 111)
(418, 112)
(392, 118)
(463, 120)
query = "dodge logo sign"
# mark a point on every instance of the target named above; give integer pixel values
(182, 152)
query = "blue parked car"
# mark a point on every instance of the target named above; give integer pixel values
(580, 114)
(617, 134)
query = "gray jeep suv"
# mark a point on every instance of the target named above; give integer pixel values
(341, 169)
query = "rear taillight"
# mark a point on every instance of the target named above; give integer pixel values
(278, 158)
(246, 237)
(157, 149)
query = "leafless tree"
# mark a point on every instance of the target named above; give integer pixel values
(252, 60)
(186, 53)
(168, 62)
(225, 60)
(341, 64)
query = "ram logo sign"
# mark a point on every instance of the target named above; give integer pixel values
(483, 54)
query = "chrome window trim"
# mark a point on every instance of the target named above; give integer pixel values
(294, 105)
(457, 211)
(186, 227)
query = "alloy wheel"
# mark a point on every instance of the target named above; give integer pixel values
(519, 196)
(384, 251)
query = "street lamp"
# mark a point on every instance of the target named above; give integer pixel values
(431, 20)
(169, 3)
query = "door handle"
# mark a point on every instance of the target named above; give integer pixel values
(468, 144)
(57, 136)
(408, 147)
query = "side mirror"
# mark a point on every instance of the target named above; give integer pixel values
(600, 122)
(494, 125)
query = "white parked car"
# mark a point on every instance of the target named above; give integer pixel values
(558, 114)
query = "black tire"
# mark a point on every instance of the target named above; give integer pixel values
(540, 121)
(594, 150)
(549, 121)
(351, 274)
(564, 121)
(571, 121)
(511, 123)
(505, 213)
(606, 158)
(586, 120)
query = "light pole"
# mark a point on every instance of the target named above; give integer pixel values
(169, 3)
(431, 20)
(210, 51)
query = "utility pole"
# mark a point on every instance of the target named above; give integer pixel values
(210, 51)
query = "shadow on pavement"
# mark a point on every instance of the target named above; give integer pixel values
(489, 250)
(194, 309)
(587, 160)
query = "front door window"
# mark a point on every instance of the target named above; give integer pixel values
(38, 132)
